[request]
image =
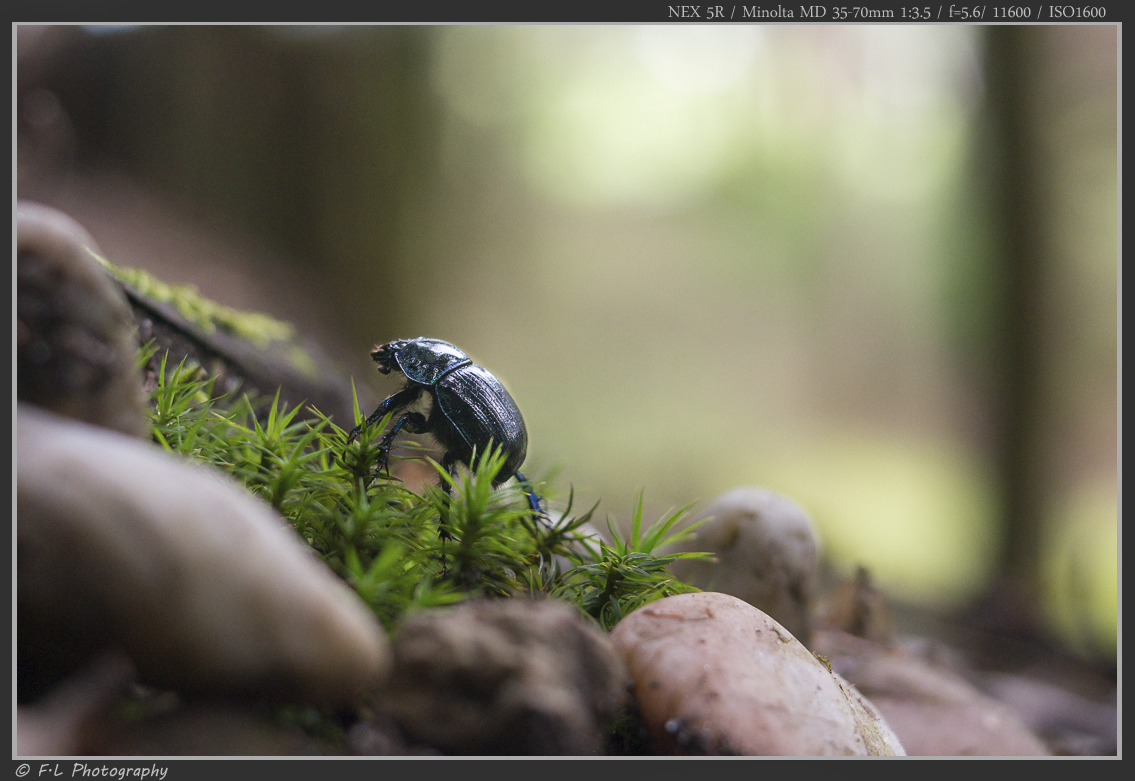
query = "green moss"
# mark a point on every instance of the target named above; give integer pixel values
(208, 315)
(385, 540)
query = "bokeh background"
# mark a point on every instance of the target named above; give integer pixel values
(871, 267)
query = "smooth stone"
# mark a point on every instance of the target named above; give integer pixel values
(714, 675)
(204, 586)
(209, 729)
(1069, 724)
(75, 336)
(764, 546)
(58, 724)
(935, 711)
(506, 676)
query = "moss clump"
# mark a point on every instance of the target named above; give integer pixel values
(260, 329)
(385, 540)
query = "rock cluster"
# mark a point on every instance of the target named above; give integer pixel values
(144, 578)
(171, 568)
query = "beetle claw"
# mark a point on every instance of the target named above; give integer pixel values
(354, 434)
(382, 463)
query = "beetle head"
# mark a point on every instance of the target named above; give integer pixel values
(384, 354)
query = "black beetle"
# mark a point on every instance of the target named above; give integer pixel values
(470, 407)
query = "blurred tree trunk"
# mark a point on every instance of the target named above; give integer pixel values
(1052, 112)
(308, 139)
(1012, 70)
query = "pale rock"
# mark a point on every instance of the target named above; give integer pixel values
(209, 729)
(764, 548)
(714, 675)
(934, 710)
(58, 723)
(1067, 722)
(205, 587)
(75, 337)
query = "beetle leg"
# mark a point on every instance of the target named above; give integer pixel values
(402, 398)
(447, 463)
(533, 499)
(414, 422)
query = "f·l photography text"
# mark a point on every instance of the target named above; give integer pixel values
(84, 770)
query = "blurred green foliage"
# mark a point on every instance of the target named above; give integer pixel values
(770, 256)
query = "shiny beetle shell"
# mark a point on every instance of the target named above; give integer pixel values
(470, 409)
